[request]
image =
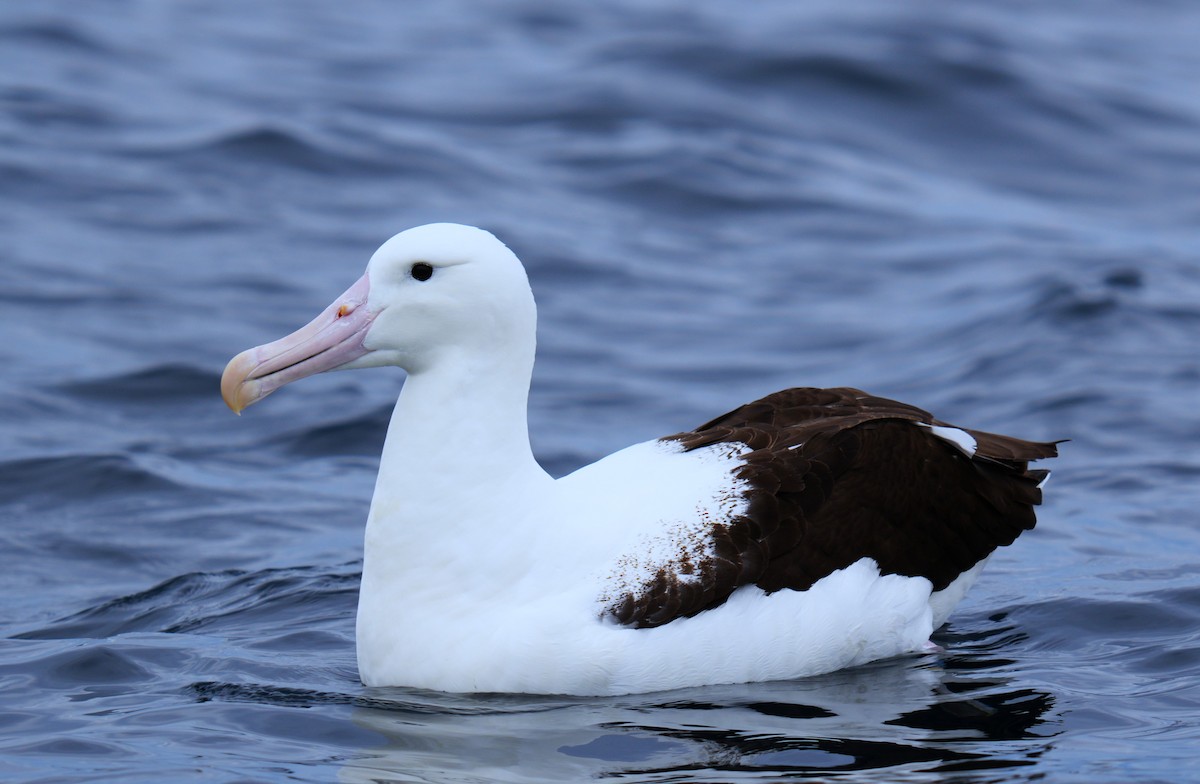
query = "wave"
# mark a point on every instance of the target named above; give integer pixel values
(234, 602)
(45, 479)
(362, 434)
(166, 384)
(56, 34)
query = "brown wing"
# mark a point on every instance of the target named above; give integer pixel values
(836, 475)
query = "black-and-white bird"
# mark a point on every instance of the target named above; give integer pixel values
(811, 530)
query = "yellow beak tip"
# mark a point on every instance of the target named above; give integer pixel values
(233, 383)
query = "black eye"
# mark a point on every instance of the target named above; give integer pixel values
(422, 271)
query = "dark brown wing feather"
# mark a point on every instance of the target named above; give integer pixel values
(835, 475)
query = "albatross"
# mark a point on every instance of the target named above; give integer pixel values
(808, 531)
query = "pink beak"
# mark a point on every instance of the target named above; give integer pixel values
(328, 342)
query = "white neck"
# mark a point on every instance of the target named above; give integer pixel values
(457, 444)
(457, 481)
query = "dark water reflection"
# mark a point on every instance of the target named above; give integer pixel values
(916, 717)
(882, 718)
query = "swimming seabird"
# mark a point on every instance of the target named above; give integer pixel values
(811, 530)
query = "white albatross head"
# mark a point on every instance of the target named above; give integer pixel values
(432, 292)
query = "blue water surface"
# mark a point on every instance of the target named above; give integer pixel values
(989, 210)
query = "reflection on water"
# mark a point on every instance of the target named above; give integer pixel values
(901, 716)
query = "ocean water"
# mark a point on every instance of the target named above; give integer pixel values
(986, 209)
